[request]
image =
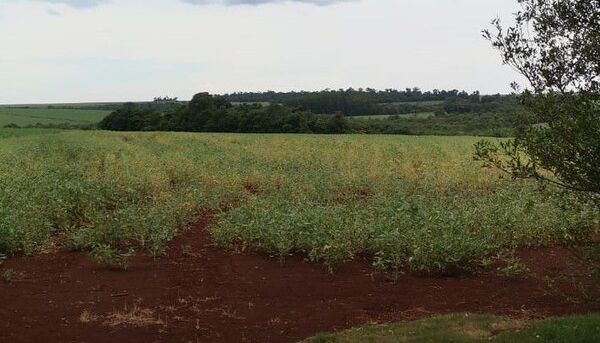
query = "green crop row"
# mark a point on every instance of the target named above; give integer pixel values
(408, 203)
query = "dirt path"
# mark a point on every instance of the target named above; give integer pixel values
(200, 294)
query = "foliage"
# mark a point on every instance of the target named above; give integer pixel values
(368, 101)
(410, 203)
(514, 267)
(131, 117)
(214, 114)
(106, 255)
(556, 46)
(447, 125)
(408, 96)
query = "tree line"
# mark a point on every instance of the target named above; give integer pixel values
(361, 102)
(379, 96)
(214, 113)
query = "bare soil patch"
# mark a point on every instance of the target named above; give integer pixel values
(197, 293)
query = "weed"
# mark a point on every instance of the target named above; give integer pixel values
(8, 275)
(136, 316)
(108, 256)
(514, 267)
(88, 317)
(187, 250)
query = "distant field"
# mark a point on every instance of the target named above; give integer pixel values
(421, 115)
(373, 117)
(7, 133)
(79, 105)
(424, 103)
(45, 116)
(263, 103)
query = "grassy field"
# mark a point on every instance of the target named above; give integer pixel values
(422, 115)
(423, 103)
(411, 203)
(6, 132)
(373, 117)
(45, 116)
(474, 328)
(70, 105)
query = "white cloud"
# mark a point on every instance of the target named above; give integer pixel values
(73, 3)
(94, 3)
(137, 49)
(260, 2)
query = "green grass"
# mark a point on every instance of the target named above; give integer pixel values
(6, 132)
(74, 105)
(411, 203)
(45, 116)
(473, 328)
(421, 115)
(423, 103)
(262, 103)
(372, 117)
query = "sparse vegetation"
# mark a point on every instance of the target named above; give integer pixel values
(135, 316)
(8, 275)
(106, 255)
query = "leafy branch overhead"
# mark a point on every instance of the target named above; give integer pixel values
(555, 45)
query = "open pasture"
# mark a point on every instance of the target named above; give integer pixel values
(420, 115)
(416, 204)
(8, 132)
(46, 116)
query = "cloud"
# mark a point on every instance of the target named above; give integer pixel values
(72, 3)
(260, 2)
(94, 3)
(53, 12)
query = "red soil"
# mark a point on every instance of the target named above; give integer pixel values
(198, 293)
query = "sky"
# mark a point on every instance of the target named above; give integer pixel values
(54, 51)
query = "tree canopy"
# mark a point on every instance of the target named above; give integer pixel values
(555, 45)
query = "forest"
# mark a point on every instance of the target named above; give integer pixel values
(323, 112)
(360, 102)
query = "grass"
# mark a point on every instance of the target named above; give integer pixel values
(262, 103)
(415, 204)
(72, 105)
(423, 103)
(474, 328)
(7, 133)
(45, 116)
(371, 117)
(421, 115)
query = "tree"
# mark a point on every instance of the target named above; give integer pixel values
(338, 123)
(555, 45)
(131, 117)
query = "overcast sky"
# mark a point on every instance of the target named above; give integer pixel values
(116, 50)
